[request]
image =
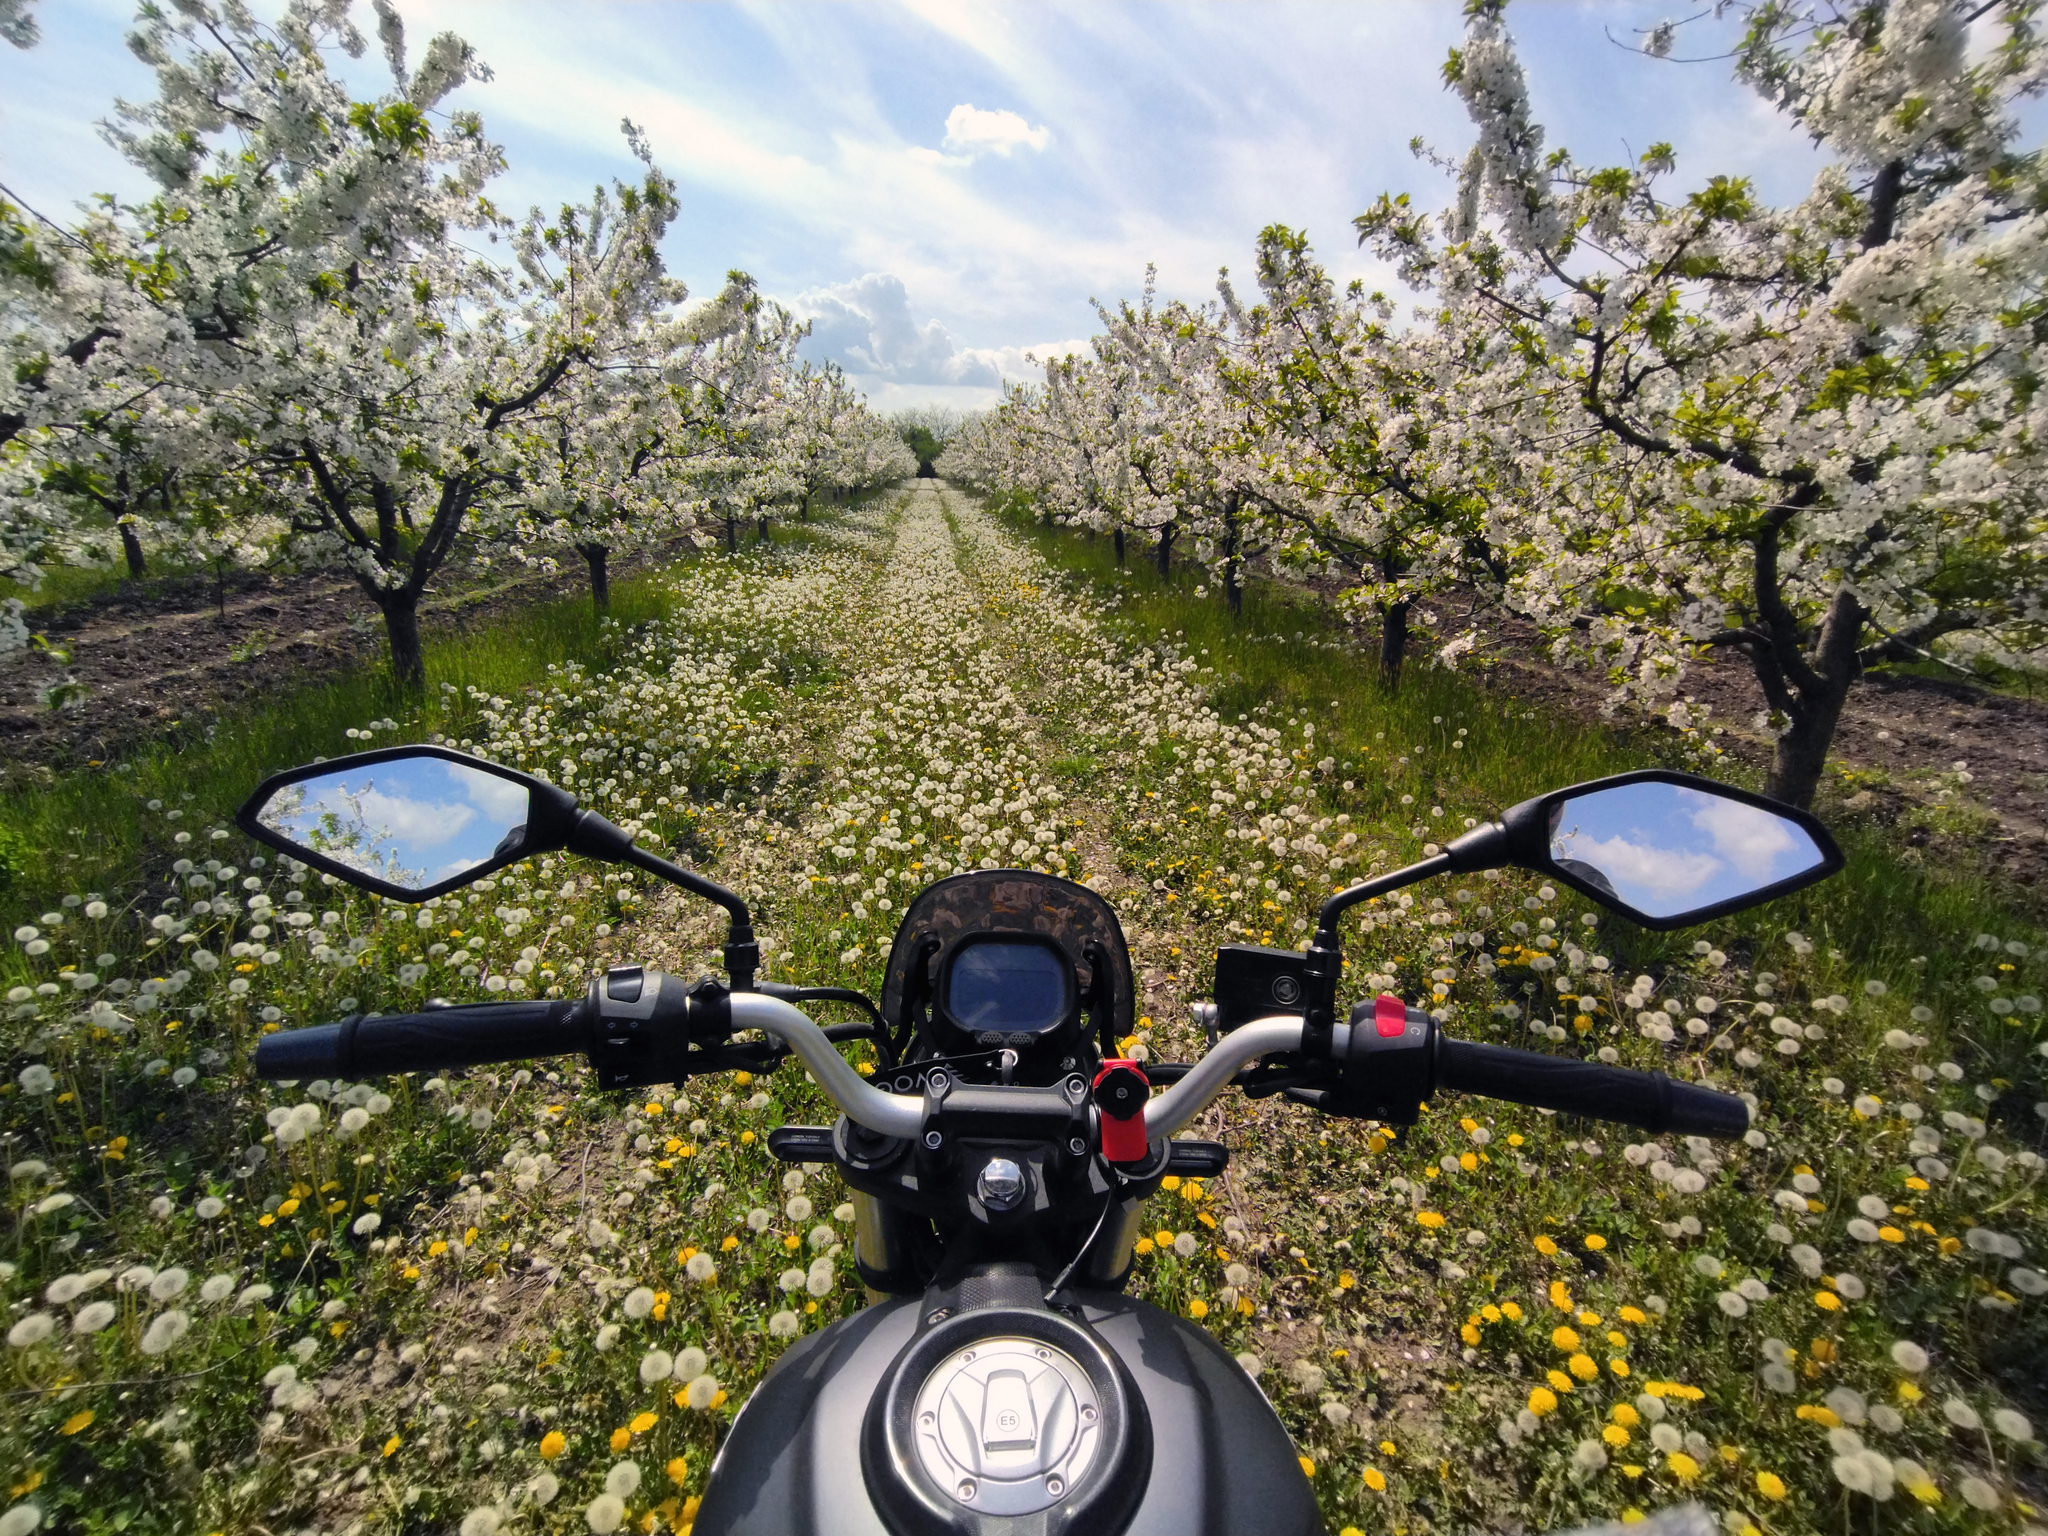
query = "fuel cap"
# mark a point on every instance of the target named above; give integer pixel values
(1007, 1425)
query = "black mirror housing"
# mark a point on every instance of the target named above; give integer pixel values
(552, 819)
(1522, 838)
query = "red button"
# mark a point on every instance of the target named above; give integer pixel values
(1389, 1015)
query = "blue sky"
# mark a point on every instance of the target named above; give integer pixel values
(944, 186)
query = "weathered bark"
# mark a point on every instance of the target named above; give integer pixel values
(1233, 544)
(1119, 543)
(1165, 549)
(401, 611)
(131, 547)
(1393, 642)
(1816, 695)
(732, 535)
(761, 531)
(596, 557)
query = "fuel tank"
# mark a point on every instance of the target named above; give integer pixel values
(977, 1410)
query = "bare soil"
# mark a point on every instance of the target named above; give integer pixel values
(136, 663)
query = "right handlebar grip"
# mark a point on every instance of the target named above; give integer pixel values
(1649, 1100)
(418, 1042)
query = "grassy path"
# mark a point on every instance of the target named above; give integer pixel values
(496, 1301)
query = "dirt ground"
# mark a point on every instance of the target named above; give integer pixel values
(147, 657)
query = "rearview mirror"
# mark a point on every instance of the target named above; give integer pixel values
(408, 822)
(1662, 848)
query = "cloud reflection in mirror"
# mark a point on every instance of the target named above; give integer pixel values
(411, 822)
(1665, 850)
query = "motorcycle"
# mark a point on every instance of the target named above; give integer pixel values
(999, 1382)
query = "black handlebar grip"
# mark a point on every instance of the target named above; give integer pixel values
(420, 1042)
(1649, 1100)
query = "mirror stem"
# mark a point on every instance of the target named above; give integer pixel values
(598, 838)
(1378, 885)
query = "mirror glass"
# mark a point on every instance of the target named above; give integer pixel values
(1668, 849)
(413, 822)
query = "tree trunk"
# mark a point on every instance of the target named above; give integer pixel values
(1393, 642)
(402, 627)
(600, 577)
(732, 535)
(1801, 754)
(1165, 551)
(761, 531)
(131, 546)
(1232, 542)
(1119, 543)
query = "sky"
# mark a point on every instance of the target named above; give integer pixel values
(943, 187)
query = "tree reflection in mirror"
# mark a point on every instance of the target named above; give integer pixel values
(412, 822)
(1666, 850)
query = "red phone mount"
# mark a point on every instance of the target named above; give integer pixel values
(1120, 1094)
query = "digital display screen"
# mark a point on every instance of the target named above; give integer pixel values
(1015, 988)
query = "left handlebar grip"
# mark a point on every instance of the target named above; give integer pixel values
(358, 1047)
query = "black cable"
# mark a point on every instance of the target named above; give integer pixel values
(1108, 1199)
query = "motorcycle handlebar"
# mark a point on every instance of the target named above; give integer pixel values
(487, 1032)
(469, 1036)
(1648, 1100)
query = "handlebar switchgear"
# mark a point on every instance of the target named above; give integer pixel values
(643, 1022)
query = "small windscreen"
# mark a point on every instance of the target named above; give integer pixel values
(1015, 988)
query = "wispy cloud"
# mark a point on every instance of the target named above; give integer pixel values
(943, 183)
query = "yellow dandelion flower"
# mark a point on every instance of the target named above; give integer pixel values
(1308, 1468)
(1615, 1436)
(728, 1243)
(1827, 1301)
(1619, 1366)
(1582, 1366)
(678, 1470)
(1541, 1401)
(1564, 1339)
(1682, 1467)
(1142, 1247)
(77, 1422)
(1625, 1415)
(1771, 1486)
(1560, 1296)
(1387, 1448)
(1198, 1309)
(1595, 1241)
(1891, 1234)
(1558, 1380)
(1375, 1479)
(552, 1444)
(621, 1438)
(1346, 1280)
(1545, 1246)
(1512, 1311)
(1469, 1334)
(391, 1446)
(1429, 1219)
(642, 1422)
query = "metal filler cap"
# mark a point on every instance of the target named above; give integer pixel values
(1001, 1185)
(1008, 1425)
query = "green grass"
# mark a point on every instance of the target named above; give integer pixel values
(1419, 1283)
(82, 829)
(1888, 907)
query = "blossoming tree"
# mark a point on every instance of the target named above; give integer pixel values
(1808, 435)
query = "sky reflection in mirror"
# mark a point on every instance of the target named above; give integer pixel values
(413, 822)
(1666, 849)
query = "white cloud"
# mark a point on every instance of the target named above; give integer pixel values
(969, 129)
(869, 328)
